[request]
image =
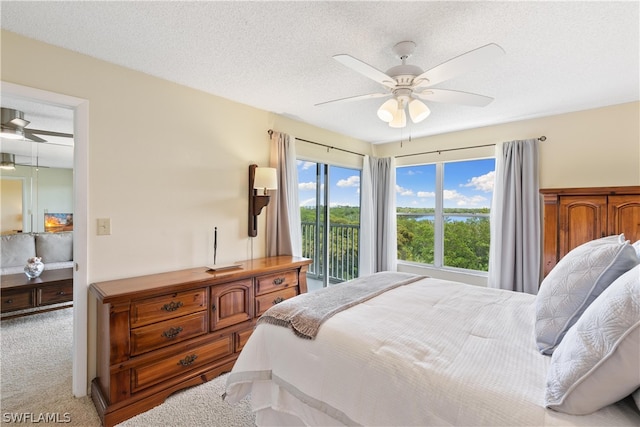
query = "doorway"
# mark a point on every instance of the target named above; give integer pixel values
(80, 107)
(330, 200)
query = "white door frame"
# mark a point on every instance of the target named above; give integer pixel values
(80, 107)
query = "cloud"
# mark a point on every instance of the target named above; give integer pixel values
(403, 191)
(463, 201)
(426, 194)
(306, 185)
(482, 183)
(305, 165)
(352, 181)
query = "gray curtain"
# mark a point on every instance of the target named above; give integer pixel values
(515, 252)
(378, 248)
(284, 236)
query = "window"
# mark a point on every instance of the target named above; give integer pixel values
(443, 213)
(329, 199)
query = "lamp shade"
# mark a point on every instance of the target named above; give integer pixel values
(399, 120)
(266, 178)
(7, 161)
(388, 110)
(418, 111)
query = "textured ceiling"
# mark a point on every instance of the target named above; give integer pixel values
(277, 56)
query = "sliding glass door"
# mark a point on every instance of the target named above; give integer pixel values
(329, 200)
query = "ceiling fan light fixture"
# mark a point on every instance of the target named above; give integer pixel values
(11, 133)
(418, 111)
(7, 161)
(399, 120)
(388, 110)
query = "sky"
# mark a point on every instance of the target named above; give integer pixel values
(467, 184)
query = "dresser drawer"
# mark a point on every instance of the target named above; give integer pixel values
(169, 306)
(156, 372)
(272, 282)
(264, 302)
(169, 332)
(17, 300)
(241, 339)
(55, 293)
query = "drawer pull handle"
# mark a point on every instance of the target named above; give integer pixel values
(172, 332)
(61, 293)
(278, 281)
(278, 300)
(9, 301)
(172, 306)
(188, 360)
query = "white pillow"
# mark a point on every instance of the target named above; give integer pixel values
(16, 249)
(55, 247)
(598, 361)
(578, 278)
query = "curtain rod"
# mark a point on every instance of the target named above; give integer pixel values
(541, 139)
(322, 145)
(270, 132)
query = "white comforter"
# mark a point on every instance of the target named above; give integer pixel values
(430, 353)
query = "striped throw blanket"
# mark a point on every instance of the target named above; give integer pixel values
(305, 313)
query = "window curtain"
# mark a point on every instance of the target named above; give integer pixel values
(284, 235)
(515, 251)
(378, 248)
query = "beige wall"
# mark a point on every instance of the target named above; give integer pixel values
(10, 205)
(167, 163)
(592, 148)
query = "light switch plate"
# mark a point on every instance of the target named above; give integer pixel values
(104, 226)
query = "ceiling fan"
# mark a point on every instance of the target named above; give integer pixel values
(409, 84)
(14, 126)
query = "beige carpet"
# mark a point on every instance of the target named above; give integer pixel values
(35, 383)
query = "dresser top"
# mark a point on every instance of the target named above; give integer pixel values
(121, 290)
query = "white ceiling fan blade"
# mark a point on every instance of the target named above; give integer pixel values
(356, 98)
(459, 65)
(454, 97)
(366, 70)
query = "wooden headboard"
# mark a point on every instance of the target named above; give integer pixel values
(573, 216)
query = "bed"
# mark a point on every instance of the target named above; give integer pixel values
(427, 352)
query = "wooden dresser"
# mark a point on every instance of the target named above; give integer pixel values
(573, 216)
(164, 332)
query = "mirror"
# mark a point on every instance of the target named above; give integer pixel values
(37, 195)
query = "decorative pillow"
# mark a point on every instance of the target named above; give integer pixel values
(55, 247)
(578, 278)
(598, 361)
(16, 249)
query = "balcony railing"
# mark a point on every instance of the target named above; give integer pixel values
(343, 250)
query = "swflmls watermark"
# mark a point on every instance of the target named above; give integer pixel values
(31, 417)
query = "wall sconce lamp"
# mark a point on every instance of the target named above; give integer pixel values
(259, 179)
